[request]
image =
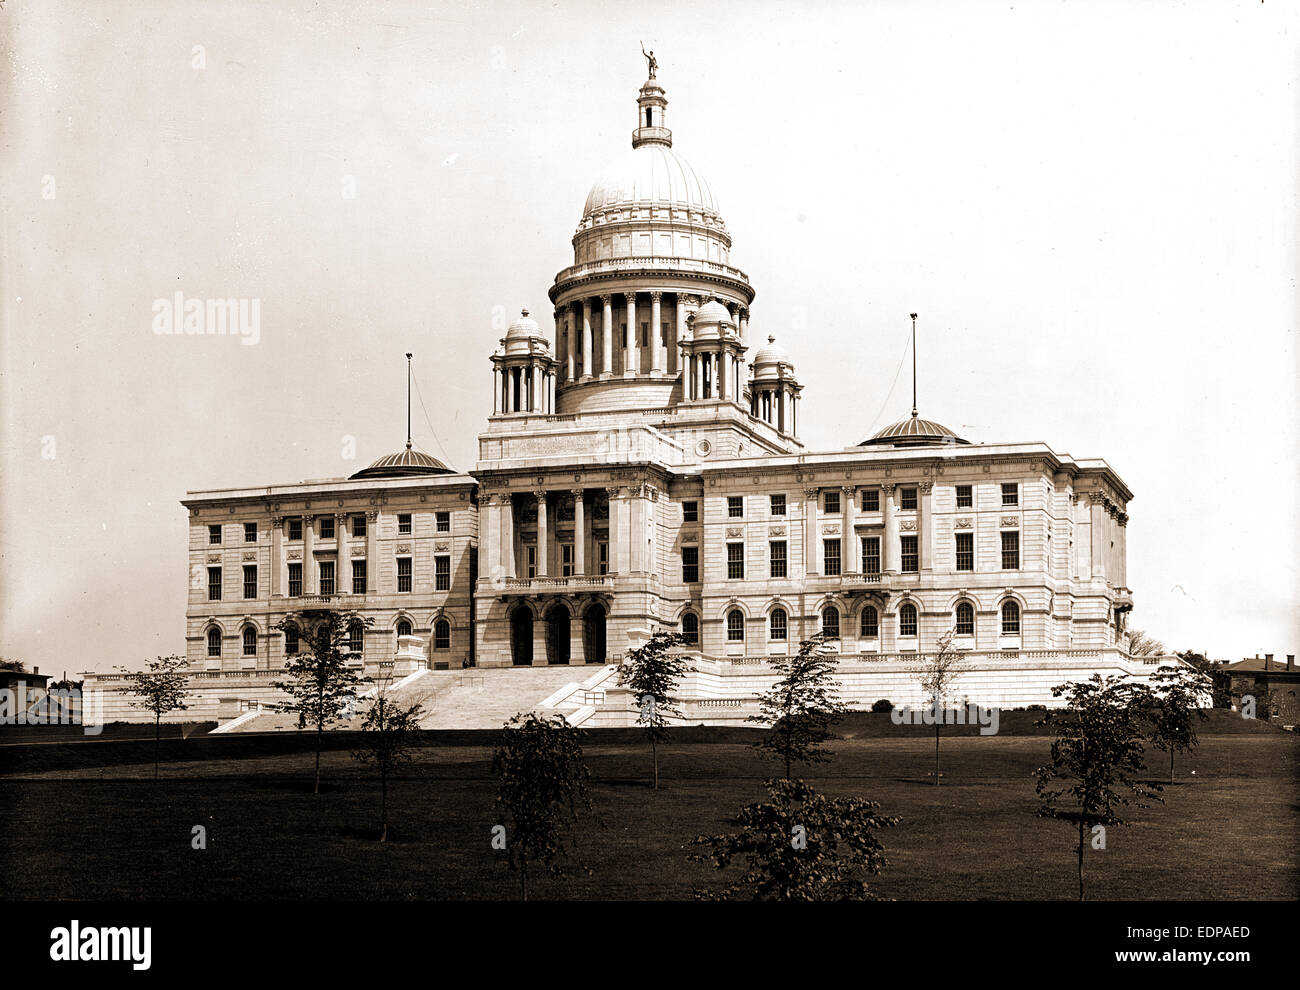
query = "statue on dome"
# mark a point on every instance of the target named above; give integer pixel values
(651, 62)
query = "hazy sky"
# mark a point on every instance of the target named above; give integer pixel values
(1092, 206)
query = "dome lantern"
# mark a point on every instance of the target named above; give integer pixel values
(651, 105)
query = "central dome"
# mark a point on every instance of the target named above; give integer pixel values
(652, 175)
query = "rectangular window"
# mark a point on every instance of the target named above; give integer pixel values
(1011, 494)
(735, 561)
(327, 527)
(871, 500)
(566, 560)
(327, 577)
(965, 551)
(530, 561)
(358, 525)
(442, 573)
(214, 584)
(214, 534)
(690, 565)
(831, 556)
(1011, 551)
(735, 506)
(871, 555)
(831, 503)
(295, 529)
(690, 512)
(403, 523)
(778, 505)
(358, 577)
(295, 580)
(602, 557)
(250, 580)
(907, 498)
(442, 522)
(909, 562)
(965, 497)
(776, 554)
(404, 575)
(250, 532)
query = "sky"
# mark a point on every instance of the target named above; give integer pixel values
(1091, 206)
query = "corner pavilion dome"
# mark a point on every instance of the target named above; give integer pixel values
(403, 464)
(913, 432)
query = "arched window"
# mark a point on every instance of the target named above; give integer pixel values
(907, 619)
(214, 642)
(356, 637)
(691, 628)
(403, 628)
(1010, 619)
(442, 635)
(250, 641)
(965, 619)
(290, 640)
(735, 626)
(831, 622)
(778, 624)
(870, 622)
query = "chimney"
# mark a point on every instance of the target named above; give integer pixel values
(36, 670)
(1290, 661)
(1268, 661)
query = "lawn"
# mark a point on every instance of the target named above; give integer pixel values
(1225, 832)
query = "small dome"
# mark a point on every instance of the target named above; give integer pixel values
(403, 464)
(710, 319)
(770, 360)
(913, 432)
(522, 334)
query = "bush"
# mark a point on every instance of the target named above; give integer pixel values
(883, 705)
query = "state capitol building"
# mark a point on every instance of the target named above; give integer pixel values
(641, 470)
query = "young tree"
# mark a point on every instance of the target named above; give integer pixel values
(652, 672)
(1096, 750)
(799, 846)
(388, 735)
(801, 706)
(1178, 694)
(939, 670)
(1141, 645)
(161, 689)
(541, 792)
(322, 688)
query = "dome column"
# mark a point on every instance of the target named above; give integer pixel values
(657, 355)
(588, 339)
(564, 319)
(632, 356)
(607, 335)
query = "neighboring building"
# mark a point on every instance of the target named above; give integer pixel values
(1271, 681)
(645, 472)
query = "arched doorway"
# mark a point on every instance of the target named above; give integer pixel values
(557, 634)
(593, 634)
(521, 636)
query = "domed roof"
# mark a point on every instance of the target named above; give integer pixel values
(651, 175)
(521, 335)
(404, 464)
(773, 353)
(710, 318)
(913, 432)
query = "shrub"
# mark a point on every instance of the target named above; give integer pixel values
(883, 705)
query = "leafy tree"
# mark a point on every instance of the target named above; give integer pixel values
(939, 670)
(1097, 756)
(541, 791)
(388, 735)
(1139, 644)
(1220, 680)
(799, 846)
(653, 671)
(7, 663)
(161, 689)
(322, 687)
(801, 706)
(1177, 696)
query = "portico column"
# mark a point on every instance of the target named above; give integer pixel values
(657, 362)
(682, 329)
(810, 554)
(496, 391)
(618, 526)
(277, 556)
(310, 585)
(891, 531)
(506, 514)
(742, 319)
(343, 563)
(632, 358)
(542, 570)
(588, 341)
(923, 526)
(490, 536)
(852, 561)
(1097, 512)
(607, 334)
(372, 551)
(579, 534)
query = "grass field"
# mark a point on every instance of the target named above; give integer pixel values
(1228, 832)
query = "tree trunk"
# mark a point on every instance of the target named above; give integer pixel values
(157, 736)
(936, 750)
(1171, 764)
(383, 803)
(523, 875)
(654, 750)
(1080, 859)
(320, 739)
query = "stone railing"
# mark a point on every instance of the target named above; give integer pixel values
(649, 261)
(561, 584)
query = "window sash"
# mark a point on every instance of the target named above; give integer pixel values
(869, 624)
(735, 627)
(250, 580)
(871, 555)
(777, 504)
(403, 574)
(907, 620)
(358, 525)
(907, 499)
(326, 578)
(831, 503)
(295, 580)
(831, 557)
(779, 625)
(404, 524)
(735, 507)
(965, 497)
(327, 528)
(214, 584)
(735, 561)
(442, 635)
(358, 577)
(442, 522)
(1011, 551)
(908, 558)
(965, 551)
(1010, 619)
(965, 621)
(871, 500)
(777, 556)
(690, 511)
(442, 573)
(831, 623)
(690, 565)
(1011, 494)
(250, 532)
(214, 535)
